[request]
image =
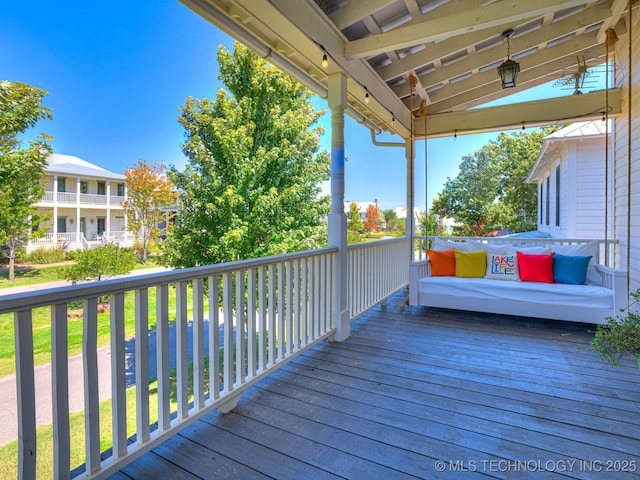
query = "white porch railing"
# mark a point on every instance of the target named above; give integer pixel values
(121, 237)
(67, 197)
(85, 198)
(376, 270)
(93, 199)
(269, 310)
(54, 239)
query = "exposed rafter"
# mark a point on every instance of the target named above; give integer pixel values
(466, 21)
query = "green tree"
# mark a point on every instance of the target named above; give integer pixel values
(355, 228)
(252, 184)
(428, 224)
(489, 191)
(20, 168)
(99, 264)
(393, 224)
(150, 197)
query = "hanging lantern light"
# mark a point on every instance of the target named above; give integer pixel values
(509, 69)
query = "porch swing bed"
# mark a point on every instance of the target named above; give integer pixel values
(603, 293)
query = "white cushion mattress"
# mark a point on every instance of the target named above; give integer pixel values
(545, 293)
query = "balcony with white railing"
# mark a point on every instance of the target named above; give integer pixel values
(84, 199)
(216, 331)
(268, 311)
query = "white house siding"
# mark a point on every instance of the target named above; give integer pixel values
(590, 189)
(629, 238)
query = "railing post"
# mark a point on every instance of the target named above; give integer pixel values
(340, 314)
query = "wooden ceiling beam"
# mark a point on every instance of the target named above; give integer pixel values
(462, 22)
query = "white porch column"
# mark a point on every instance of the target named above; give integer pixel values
(337, 218)
(410, 224)
(107, 226)
(55, 209)
(78, 193)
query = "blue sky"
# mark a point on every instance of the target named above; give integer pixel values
(117, 73)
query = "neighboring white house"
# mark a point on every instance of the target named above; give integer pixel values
(85, 205)
(570, 177)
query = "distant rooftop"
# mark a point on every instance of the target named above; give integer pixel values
(75, 166)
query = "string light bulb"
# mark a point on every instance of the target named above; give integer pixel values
(366, 95)
(325, 61)
(604, 118)
(393, 120)
(523, 126)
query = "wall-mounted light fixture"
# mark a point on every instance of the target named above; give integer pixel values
(509, 69)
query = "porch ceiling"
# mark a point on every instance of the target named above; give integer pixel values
(452, 48)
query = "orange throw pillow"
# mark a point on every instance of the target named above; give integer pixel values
(443, 262)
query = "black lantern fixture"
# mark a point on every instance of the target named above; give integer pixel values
(509, 69)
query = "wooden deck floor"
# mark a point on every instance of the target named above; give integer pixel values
(424, 393)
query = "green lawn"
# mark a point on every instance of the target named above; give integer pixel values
(32, 275)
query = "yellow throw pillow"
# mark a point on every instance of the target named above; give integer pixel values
(471, 264)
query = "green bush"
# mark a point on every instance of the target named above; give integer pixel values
(43, 256)
(620, 337)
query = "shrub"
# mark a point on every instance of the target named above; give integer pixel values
(620, 336)
(43, 256)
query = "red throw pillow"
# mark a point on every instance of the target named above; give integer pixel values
(535, 267)
(443, 262)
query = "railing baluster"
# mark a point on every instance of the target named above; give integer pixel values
(91, 400)
(60, 391)
(296, 305)
(280, 333)
(251, 322)
(317, 280)
(240, 348)
(198, 343)
(227, 311)
(262, 314)
(23, 334)
(182, 350)
(288, 318)
(214, 338)
(305, 302)
(142, 364)
(118, 376)
(272, 314)
(162, 356)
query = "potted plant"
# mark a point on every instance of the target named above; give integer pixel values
(620, 336)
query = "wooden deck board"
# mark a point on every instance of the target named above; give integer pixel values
(503, 396)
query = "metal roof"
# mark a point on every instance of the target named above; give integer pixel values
(75, 166)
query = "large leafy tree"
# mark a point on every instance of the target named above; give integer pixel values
(20, 167)
(252, 183)
(150, 199)
(489, 191)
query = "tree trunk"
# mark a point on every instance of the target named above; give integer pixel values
(12, 264)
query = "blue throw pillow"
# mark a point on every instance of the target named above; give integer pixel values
(570, 268)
